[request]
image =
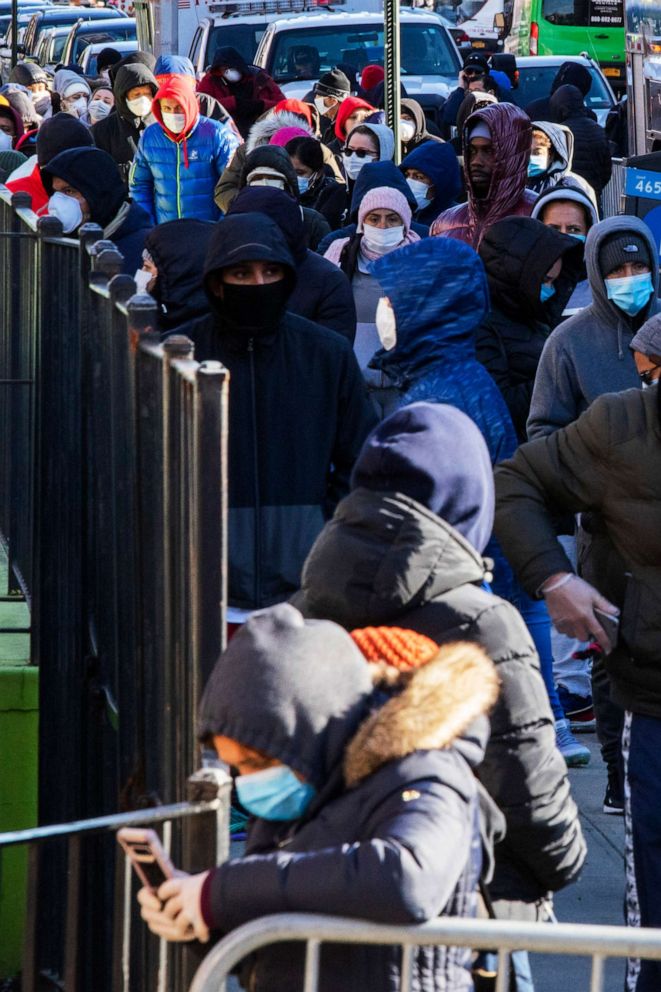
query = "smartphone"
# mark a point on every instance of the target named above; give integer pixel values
(152, 865)
(611, 624)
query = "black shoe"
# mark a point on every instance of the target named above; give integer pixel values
(614, 799)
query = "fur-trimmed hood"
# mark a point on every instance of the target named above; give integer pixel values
(432, 707)
(263, 130)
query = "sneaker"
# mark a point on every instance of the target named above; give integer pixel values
(578, 710)
(614, 799)
(576, 755)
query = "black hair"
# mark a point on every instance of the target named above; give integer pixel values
(362, 129)
(308, 151)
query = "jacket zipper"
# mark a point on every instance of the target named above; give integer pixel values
(257, 586)
(179, 214)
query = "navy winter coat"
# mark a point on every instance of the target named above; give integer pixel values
(438, 160)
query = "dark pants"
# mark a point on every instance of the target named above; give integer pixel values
(644, 773)
(609, 716)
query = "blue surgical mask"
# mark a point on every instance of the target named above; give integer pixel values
(537, 165)
(579, 237)
(547, 291)
(630, 293)
(274, 794)
(303, 184)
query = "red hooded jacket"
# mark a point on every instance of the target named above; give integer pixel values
(347, 108)
(511, 136)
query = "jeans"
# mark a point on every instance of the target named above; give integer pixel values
(538, 622)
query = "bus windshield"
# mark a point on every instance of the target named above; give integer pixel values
(584, 13)
(309, 52)
(244, 37)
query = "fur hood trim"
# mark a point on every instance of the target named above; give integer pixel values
(263, 130)
(435, 705)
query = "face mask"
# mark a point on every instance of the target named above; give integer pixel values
(419, 190)
(232, 75)
(386, 325)
(268, 181)
(579, 237)
(141, 106)
(67, 210)
(77, 107)
(274, 794)
(5, 142)
(142, 278)
(547, 291)
(303, 184)
(98, 110)
(105, 74)
(174, 122)
(630, 293)
(320, 104)
(254, 310)
(383, 239)
(41, 102)
(406, 130)
(353, 164)
(537, 165)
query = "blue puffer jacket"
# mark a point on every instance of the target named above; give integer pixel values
(174, 176)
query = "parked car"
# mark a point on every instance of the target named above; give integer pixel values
(536, 74)
(25, 7)
(89, 55)
(51, 46)
(98, 32)
(59, 16)
(430, 62)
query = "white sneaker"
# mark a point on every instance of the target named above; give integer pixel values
(576, 755)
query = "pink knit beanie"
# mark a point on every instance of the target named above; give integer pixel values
(286, 134)
(385, 198)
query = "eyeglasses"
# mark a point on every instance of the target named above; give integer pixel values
(360, 152)
(646, 376)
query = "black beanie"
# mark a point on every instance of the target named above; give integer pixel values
(106, 58)
(333, 83)
(623, 247)
(59, 133)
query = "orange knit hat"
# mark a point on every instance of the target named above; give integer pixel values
(400, 648)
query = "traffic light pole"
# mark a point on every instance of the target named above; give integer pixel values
(391, 65)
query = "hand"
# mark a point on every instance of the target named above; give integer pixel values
(175, 913)
(463, 81)
(572, 607)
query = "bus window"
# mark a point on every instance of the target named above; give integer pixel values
(584, 13)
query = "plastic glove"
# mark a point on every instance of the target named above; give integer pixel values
(175, 913)
(572, 607)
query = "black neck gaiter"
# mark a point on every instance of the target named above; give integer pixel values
(254, 311)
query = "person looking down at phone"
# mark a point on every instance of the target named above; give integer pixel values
(363, 799)
(608, 464)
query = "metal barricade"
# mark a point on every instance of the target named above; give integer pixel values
(612, 197)
(596, 942)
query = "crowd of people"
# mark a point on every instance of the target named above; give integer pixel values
(414, 647)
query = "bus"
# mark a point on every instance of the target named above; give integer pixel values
(644, 76)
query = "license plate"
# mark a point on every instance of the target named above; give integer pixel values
(613, 72)
(479, 44)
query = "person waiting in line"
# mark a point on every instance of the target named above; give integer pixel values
(329, 92)
(168, 66)
(245, 91)
(551, 158)
(119, 134)
(413, 127)
(101, 104)
(353, 111)
(318, 188)
(433, 176)
(56, 134)
(592, 156)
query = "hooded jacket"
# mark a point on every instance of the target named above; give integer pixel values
(6, 110)
(438, 161)
(592, 156)
(119, 133)
(179, 248)
(246, 100)
(298, 416)
(605, 463)
(168, 65)
(345, 110)
(589, 354)
(561, 154)
(57, 134)
(172, 175)
(421, 135)
(28, 73)
(94, 174)
(322, 293)
(273, 157)
(511, 135)
(569, 74)
(517, 253)
(387, 558)
(388, 777)
(372, 176)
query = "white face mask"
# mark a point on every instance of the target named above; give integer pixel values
(174, 122)
(140, 107)
(76, 107)
(383, 239)
(386, 325)
(406, 130)
(352, 164)
(67, 210)
(232, 75)
(142, 279)
(98, 109)
(419, 190)
(320, 104)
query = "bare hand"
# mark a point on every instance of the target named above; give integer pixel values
(174, 913)
(572, 607)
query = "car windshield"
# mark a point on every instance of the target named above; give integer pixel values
(244, 37)
(535, 83)
(305, 54)
(584, 13)
(123, 32)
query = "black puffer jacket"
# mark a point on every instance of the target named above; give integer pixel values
(517, 253)
(178, 249)
(120, 132)
(297, 418)
(592, 157)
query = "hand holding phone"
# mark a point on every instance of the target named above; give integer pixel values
(610, 622)
(152, 865)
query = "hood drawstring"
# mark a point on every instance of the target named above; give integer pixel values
(620, 352)
(185, 152)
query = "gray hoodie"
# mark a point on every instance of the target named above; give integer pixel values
(588, 354)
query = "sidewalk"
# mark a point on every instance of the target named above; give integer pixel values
(598, 896)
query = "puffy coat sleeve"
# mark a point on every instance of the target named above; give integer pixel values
(556, 394)
(225, 144)
(491, 353)
(404, 873)
(355, 419)
(566, 472)
(227, 186)
(267, 91)
(141, 181)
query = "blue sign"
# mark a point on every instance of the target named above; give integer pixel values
(638, 182)
(653, 220)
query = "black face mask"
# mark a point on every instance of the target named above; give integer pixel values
(254, 311)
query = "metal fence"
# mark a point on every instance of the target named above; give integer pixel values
(596, 942)
(612, 197)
